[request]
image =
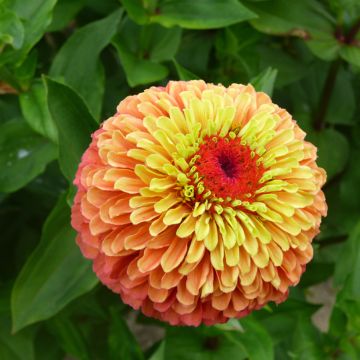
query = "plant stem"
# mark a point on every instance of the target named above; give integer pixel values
(319, 121)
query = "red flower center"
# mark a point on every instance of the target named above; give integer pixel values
(228, 168)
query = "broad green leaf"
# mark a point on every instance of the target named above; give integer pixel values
(347, 271)
(255, 339)
(164, 43)
(292, 331)
(316, 272)
(348, 9)
(138, 71)
(298, 18)
(74, 124)
(15, 346)
(289, 70)
(194, 51)
(182, 343)
(64, 12)
(78, 60)
(46, 346)
(11, 29)
(35, 111)
(25, 72)
(159, 352)
(153, 42)
(9, 108)
(306, 342)
(349, 186)
(201, 14)
(351, 54)
(121, 342)
(183, 73)
(265, 81)
(307, 19)
(69, 336)
(23, 155)
(342, 104)
(325, 46)
(36, 16)
(18, 346)
(54, 274)
(103, 7)
(136, 11)
(333, 150)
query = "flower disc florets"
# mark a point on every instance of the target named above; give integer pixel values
(198, 203)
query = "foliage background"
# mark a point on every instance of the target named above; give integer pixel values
(65, 64)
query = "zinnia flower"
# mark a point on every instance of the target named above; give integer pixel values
(198, 203)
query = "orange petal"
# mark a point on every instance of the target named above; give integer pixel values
(174, 255)
(150, 260)
(196, 279)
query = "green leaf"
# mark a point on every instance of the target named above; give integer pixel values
(35, 111)
(64, 12)
(153, 42)
(347, 271)
(54, 274)
(279, 17)
(138, 71)
(194, 51)
(351, 54)
(289, 70)
(202, 343)
(159, 352)
(316, 272)
(69, 336)
(36, 16)
(201, 14)
(23, 155)
(15, 346)
(74, 123)
(82, 51)
(292, 331)
(9, 108)
(349, 186)
(265, 81)
(127, 347)
(136, 11)
(342, 103)
(183, 73)
(306, 343)
(333, 161)
(324, 46)
(255, 339)
(164, 43)
(11, 29)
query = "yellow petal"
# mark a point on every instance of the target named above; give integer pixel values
(217, 256)
(174, 216)
(195, 252)
(202, 227)
(261, 259)
(187, 227)
(212, 238)
(166, 203)
(162, 184)
(232, 256)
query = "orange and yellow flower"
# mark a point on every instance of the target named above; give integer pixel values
(198, 203)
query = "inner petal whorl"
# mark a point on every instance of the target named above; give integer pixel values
(228, 168)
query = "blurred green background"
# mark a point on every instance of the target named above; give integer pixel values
(64, 66)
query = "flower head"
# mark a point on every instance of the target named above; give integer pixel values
(198, 203)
